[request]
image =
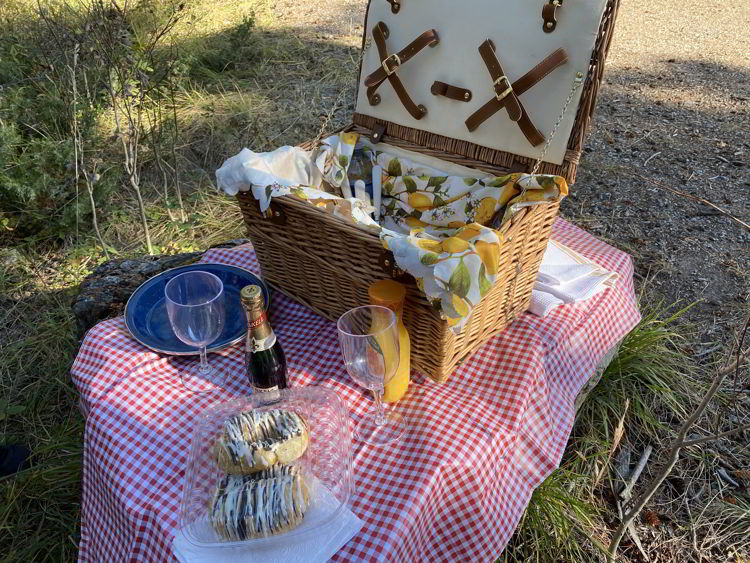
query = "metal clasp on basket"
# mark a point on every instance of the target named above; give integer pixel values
(498, 85)
(388, 263)
(549, 15)
(396, 62)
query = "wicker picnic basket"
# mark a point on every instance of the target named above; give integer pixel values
(327, 263)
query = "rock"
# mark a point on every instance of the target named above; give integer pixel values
(104, 293)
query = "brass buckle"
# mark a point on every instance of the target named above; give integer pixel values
(501, 95)
(396, 61)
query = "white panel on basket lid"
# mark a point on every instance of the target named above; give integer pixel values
(515, 26)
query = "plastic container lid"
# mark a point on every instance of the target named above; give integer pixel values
(326, 465)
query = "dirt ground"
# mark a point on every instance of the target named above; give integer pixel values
(674, 108)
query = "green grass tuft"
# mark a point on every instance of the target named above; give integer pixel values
(557, 525)
(652, 372)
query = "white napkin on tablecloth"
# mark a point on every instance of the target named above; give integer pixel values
(315, 547)
(565, 276)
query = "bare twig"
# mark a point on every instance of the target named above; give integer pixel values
(175, 170)
(154, 127)
(79, 158)
(689, 196)
(679, 443)
(722, 473)
(133, 86)
(719, 436)
(650, 157)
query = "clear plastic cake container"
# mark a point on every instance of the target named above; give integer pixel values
(326, 465)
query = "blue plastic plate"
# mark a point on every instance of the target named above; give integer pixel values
(146, 313)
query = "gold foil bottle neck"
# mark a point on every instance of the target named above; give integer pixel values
(251, 295)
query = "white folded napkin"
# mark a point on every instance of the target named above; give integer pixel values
(314, 547)
(286, 166)
(543, 303)
(566, 277)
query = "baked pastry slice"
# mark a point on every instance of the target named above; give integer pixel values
(253, 441)
(260, 504)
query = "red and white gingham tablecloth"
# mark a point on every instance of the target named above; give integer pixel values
(453, 490)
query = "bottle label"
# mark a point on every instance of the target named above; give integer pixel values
(266, 389)
(258, 344)
(259, 320)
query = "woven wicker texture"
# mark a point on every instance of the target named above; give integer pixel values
(331, 273)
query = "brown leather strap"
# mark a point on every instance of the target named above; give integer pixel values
(452, 92)
(506, 95)
(416, 111)
(393, 62)
(555, 59)
(503, 90)
(549, 15)
(377, 132)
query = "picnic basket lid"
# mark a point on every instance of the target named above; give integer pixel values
(485, 80)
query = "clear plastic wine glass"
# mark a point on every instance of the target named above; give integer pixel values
(370, 346)
(195, 306)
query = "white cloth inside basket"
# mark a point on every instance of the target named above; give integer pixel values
(286, 166)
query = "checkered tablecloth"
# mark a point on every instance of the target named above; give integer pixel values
(453, 490)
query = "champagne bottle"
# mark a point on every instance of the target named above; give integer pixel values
(264, 358)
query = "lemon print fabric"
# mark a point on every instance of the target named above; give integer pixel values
(454, 271)
(442, 229)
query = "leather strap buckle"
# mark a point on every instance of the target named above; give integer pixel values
(389, 64)
(498, 86)
(506, 93)
(396, 63)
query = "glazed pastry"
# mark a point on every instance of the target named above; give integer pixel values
(256, 441)
(251, 506)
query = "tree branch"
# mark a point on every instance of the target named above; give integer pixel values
(681, 442)
(712, 437)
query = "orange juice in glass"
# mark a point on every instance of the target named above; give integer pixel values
(391, 294)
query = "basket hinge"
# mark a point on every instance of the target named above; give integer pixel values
(549, 15)
(378, 130)
(395, 5)
(276, 214)
(388, 264)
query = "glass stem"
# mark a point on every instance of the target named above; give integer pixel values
(379, 409)
(204, 367)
